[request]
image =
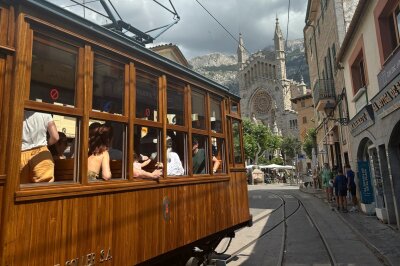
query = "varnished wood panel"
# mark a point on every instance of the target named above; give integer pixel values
(130, 223)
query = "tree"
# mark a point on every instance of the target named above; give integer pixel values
(290, 147)
(310, 142)
(258, 139)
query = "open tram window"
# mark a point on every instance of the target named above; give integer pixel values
(199, 155)
(215, 115)
(175, 104)
(147, 147)
(237, 145)
(54, 70)
(108, 85)
(107, 150)
(49, 148)
(176, 153)
(146, 96)
(198, 110)
(218, 155)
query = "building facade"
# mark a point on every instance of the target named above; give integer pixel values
(264, 88)
(326, 25)
(304, 106)
(371, 61)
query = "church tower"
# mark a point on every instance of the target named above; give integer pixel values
(241, 52)
(280, 49)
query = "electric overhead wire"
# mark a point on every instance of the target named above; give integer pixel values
(81, 3)
(230, 34)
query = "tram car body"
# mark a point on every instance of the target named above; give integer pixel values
(81, 74)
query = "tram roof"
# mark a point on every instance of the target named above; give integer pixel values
(124, 40)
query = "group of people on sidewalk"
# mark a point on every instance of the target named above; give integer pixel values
(338, 184)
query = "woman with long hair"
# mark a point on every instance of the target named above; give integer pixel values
(99, 158)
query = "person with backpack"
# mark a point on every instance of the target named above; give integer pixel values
(351, 185)
(340, 185)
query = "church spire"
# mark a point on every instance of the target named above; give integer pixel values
(279, 42)
(241, 52)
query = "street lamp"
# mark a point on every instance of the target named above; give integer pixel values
(330, 110)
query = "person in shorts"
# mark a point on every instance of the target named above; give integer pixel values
(37, 163)
(340, 185)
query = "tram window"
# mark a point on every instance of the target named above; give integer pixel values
(218, 155)
(175, 105)
(234, 107)
(215, 115)
(237, 148)
(146, 96)
(106, 154)
(49, 143)
(176, 153)
(53, 75)
(199, 154)
(108, 85)
(198, 110)
(147, 144)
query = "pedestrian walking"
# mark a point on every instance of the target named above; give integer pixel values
(340, 185)
(351, 186)
(326, 176)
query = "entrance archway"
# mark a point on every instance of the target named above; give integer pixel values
(394, 162)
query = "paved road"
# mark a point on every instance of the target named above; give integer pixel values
(298, 238)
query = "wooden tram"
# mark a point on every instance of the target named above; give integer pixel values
(55, 62)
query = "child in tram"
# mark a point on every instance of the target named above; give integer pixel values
(99, 158)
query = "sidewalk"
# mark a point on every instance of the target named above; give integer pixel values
(382, 239)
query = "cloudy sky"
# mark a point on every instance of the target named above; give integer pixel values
(197, 33)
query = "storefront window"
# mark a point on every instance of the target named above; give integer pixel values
(108, 86)
(53, 75)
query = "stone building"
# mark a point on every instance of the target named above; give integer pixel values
(371, 61)
(264, 88)
(304, 106)
(326, 25)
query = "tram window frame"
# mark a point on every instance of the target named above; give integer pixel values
(221, 103)
(113, 117)
(232, 158)
(154, 77)
(195, 116)
(174, 85)
(57, 41)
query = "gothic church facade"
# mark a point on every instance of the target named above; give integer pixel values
(265, 89)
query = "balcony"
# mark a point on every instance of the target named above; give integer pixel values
(324, 93)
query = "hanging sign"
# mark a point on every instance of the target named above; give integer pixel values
(365, 185)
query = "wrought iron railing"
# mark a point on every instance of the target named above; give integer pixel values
(324, 89)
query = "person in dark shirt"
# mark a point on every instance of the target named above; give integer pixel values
(351, 186)
(340, 185)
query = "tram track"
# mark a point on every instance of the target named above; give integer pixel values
(285, 216)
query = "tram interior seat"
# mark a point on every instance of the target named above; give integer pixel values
(64, 170)
(116, 168)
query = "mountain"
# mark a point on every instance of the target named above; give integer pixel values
(222, 68)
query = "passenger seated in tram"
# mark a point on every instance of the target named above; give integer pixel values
(57, 149)
(216, 162)
(99, 158)
(37, 163)
(198, 157)
(174, 164)
(138, 172)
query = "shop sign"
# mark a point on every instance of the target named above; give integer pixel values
(365, 185)
(387, 100)
(390, 71)
(361, 121)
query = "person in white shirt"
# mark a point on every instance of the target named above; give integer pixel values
(174, 164)
(37, 163)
